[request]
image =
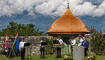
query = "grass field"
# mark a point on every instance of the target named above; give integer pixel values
(33, 58)
(100, 57)
(47, 58)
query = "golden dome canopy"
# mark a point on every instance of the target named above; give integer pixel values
(68, 24)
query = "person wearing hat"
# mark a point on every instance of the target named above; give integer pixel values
(80, 40)
(85, 44)
(73, 41)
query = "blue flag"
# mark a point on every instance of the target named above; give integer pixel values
(17, 43)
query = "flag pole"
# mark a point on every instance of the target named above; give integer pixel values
(12, 47)
(5, 43)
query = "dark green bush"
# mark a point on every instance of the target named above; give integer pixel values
(98, 43)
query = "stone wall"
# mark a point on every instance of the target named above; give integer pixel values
(34, 40)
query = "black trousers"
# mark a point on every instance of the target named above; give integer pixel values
(23, 54)
(58, 52)
(85, 51)
(71, 50)
(9, 54)
(42, 51)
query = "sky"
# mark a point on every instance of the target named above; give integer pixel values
(52, 7)
(19, 10)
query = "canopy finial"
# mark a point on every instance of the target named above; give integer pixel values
(67, 3)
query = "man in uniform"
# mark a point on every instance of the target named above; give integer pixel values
(85, 44)
(42, 47)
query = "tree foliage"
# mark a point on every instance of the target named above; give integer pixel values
(23, 30)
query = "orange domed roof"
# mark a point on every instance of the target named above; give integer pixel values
(68, 24)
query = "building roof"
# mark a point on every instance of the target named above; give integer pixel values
(68, 24)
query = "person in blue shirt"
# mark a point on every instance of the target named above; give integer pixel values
(85, 44)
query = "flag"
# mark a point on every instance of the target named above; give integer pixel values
(6, 41)
(17, 43)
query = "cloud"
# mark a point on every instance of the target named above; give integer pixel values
(10, 7)
(85, 9)
(49, 7)
(95, 1)
(52, 7)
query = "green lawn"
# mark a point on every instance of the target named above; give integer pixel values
(100, 57)
(47, 58)
(34, 58)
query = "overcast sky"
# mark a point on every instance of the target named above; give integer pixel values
(52, 7)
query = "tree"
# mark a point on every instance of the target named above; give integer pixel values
(21, 29)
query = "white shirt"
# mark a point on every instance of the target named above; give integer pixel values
(60, 41)
(21, 45)
(81, 40)
(73, 42)
(41, 42)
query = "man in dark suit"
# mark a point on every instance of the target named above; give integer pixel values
(85, 44)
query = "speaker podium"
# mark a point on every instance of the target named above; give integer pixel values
(78, 53)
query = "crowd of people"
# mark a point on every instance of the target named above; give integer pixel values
(74, 41)
(77, 41)
(9, 44)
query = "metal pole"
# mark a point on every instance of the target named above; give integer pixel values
(30, 50)
(12, 49)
